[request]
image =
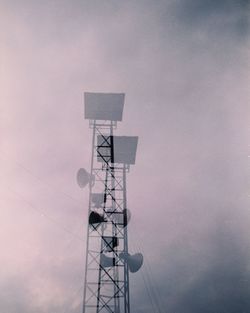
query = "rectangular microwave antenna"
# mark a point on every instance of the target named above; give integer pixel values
(103, 106)
(117, 149)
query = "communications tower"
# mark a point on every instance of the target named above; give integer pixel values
(108, 262)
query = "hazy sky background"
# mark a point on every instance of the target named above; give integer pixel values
(184, 68)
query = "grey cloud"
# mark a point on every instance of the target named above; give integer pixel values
(224, 287)
(201, 9)
(211, 277)
(226, 17)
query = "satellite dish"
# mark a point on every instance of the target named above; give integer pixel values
(122, 219)
(97, 199)
(106, 261)
(83, 178)
(127, 216)
(134, 261)
(95, 218)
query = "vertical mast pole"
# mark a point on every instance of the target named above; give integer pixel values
(126, 271)
(90, 191)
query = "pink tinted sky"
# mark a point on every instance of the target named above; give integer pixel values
(185, 78)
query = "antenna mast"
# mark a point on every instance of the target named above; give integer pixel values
(108, 262)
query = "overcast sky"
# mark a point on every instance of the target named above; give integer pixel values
(184, 68)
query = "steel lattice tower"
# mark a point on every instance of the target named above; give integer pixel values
(106, 285)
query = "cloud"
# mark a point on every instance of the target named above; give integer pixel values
(227, 17)
(211, 276)
(183, 68)
(223, 286)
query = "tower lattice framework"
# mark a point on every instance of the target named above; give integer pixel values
(106, 288)
(108, 262)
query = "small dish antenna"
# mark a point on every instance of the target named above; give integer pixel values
(83, 178)
(122, 219)
(106, 261)
(134, 261)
